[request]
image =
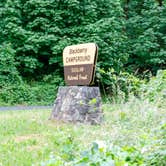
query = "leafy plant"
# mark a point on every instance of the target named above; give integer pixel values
(145, 27)
(102, 154)
(118, 85)
(155, 89)
(8, 70)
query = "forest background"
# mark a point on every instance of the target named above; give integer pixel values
(131, 35)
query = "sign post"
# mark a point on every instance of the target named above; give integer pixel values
(77, 102)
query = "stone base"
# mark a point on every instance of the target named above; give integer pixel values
(78, 104)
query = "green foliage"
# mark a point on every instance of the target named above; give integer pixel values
(36, 93)
(118, 85)
(39, 31)
(155, 89)
(101, 154)
(23, 94)
(158, 157)
(8, 70)
(104, 154)
(67, 152)
(145, 27)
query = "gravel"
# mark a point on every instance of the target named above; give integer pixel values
(15, 108)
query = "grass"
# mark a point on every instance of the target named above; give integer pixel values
(28, 137)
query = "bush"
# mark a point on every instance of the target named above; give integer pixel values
(25, 94)
(118, 85)
(8, 70)
(31, 93)
(155, 89)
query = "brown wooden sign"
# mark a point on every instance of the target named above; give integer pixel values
(79, 63)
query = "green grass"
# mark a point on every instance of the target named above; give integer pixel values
(28, 137)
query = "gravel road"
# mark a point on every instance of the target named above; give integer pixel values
(15, 108)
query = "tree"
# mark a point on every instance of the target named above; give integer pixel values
(145, 27)
(8, 70)
(40, 29)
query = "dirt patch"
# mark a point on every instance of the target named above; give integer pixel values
(23, 138)
(33, 148)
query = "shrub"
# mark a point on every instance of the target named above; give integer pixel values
(155, 89)
(8, 70)
(118, 85)
(24, 94)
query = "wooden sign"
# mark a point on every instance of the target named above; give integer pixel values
(79, 63)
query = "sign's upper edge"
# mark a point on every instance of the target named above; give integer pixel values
(91, 47)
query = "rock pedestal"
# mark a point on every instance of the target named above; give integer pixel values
(78, 104)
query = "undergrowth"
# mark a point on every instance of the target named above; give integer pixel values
(132, 134)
